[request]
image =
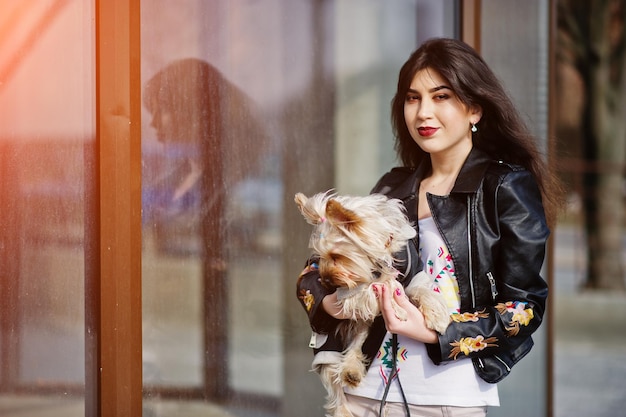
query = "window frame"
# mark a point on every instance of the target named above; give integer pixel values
(113, 328)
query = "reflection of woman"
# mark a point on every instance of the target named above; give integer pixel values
(183, 99)
(205, 124)
(477, 190)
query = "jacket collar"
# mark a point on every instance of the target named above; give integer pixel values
(472, 172)
(468, 180)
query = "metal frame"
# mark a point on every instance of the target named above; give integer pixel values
(113, 283)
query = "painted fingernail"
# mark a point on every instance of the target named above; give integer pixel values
(398, 292)
(375, 288)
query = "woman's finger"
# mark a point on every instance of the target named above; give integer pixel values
(386, 305)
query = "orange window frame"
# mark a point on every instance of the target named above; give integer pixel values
(113, 267)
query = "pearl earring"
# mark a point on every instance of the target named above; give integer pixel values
(474, 128)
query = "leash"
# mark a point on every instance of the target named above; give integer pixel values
(393, 374)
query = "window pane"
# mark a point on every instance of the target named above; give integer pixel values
(525, 74)
(46, 107)
(212, 199)
(246, 103)
(590, 238)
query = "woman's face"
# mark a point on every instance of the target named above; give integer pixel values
(437, 120)
(163, 124)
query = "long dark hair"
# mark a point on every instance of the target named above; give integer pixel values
(211, 112)
(501, 132)
(192, 91)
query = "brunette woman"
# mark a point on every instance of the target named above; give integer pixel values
(479, 193)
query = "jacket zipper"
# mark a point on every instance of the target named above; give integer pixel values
(482, 365)
(503, 363)
(492, 282)
(469, 249)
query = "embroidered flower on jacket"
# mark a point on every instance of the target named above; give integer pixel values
(520, 315)
(467, 317)
(307, 299)
(468, 345)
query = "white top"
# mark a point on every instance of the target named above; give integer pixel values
(424, 383)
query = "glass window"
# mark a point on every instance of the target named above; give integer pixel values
(590, 240)
(246, 103)
(514, 42)
(46, 114)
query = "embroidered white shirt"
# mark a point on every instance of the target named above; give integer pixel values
(424, 383)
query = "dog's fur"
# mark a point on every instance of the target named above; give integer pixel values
(356, 238)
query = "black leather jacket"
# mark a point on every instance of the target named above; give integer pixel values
(494, 226)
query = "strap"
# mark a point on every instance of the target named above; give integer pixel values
(378, 330)
(393, 375)
(374, 339)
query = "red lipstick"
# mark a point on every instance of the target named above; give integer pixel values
(427, 131)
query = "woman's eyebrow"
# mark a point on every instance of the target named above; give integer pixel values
(440, 87)
(432, 90)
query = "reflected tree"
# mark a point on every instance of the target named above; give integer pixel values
(592, 47)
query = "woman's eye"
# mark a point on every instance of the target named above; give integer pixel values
(412, 97)
(442, 97)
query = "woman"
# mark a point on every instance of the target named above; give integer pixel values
(211, 134)
(479, 193)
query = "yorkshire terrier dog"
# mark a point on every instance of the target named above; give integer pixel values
(356, 239)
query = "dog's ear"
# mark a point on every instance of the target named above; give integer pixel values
(309, 213)
(341, 216)
(300, 200)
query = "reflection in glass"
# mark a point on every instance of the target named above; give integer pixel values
(527, 67)
(196, 233)
(246, 103)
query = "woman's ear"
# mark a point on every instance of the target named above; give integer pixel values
(476, 113)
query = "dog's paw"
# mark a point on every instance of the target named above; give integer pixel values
(352, 379)
(352, 373)
(351, 376)
(436, 314)
(433, 307)
(438, 323)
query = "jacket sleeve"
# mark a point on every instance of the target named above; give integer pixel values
(310, 293)
(502, 328)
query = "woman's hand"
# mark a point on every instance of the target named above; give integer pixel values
(414, 326)
(333, 307)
